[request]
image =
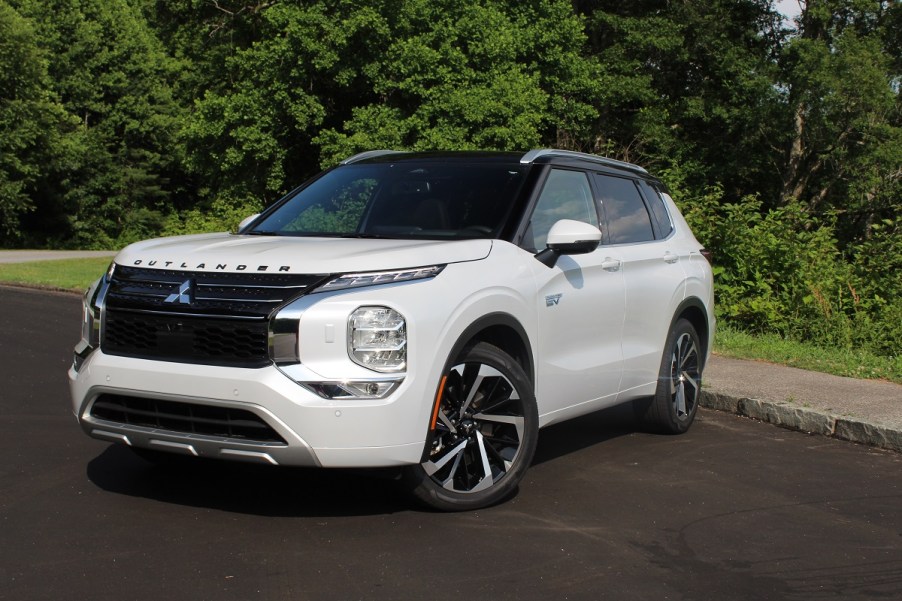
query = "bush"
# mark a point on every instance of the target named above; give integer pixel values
(782, 271)
(223, 214)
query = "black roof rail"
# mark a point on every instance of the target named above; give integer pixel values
(532, 155)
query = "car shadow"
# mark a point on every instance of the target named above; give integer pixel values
(311, 492)
(573, 435)
(250, 489)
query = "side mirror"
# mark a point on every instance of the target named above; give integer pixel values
(247, 221)
(569, 237)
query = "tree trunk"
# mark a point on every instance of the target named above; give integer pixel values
(793, 180)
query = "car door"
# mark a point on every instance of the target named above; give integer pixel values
(580, 303)
(653, 274)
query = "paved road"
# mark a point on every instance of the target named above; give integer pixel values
(735, 509)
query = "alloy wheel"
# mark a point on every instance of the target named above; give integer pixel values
(685, 377)
(479, 429)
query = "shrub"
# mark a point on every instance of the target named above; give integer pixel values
(782, 271)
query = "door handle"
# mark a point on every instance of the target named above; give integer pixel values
(669, 257)
(610, 264)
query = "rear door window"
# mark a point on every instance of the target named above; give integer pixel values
(626, 215)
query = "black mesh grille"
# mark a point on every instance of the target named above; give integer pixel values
(184, 417)
(196, 317)
(187, 339)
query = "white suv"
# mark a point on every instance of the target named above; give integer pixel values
(425, 310)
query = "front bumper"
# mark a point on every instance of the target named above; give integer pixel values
(315, 431)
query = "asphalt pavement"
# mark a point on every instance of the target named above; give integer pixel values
(733, 509)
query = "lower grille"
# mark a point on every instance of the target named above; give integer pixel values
(189, 418)
(187, 339)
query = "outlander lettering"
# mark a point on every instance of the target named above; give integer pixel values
(203, 266)
(425, 311)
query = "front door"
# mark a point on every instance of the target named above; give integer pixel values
(580, 307)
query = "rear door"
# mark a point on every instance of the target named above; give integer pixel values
(653, 276)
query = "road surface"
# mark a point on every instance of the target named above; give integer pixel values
(734, 509)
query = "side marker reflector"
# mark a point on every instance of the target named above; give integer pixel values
(438, 403)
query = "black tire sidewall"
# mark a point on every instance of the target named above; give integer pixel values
(667, 418)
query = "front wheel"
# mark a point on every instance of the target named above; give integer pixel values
(484, 433)
(672, 410)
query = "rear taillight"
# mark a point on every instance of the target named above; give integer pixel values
(709, 256)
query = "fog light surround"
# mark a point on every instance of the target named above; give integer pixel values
(354, 390)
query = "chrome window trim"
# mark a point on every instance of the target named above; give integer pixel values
(532, 155)
(369, 154)
(664, 196)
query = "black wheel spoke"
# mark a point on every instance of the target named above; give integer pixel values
(500, 402)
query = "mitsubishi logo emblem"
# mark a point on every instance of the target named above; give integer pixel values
(185, 295)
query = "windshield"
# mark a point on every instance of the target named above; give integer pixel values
(451, 200)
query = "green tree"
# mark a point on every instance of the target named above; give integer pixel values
(285, 70)
(841, 72)
(843, 111)
(688, 88)
(474, 75)
(121, 161)
(30, 119)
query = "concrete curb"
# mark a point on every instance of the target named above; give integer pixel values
(787, 415)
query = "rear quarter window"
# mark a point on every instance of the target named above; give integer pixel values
(658, 210)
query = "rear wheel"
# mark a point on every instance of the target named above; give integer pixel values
(484, 436)
(672, 410)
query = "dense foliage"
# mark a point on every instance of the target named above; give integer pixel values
(124, 119)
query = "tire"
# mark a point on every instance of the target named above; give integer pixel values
(675, 403)
(485, 433)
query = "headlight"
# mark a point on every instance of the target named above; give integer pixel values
(377, 339)
(91, 307)
(358, 280)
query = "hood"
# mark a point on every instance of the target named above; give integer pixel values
(281, 254)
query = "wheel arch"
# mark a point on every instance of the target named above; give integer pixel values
(694, 311)
(502, 330)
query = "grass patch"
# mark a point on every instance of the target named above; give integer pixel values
(838, 361)
(62, 274)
